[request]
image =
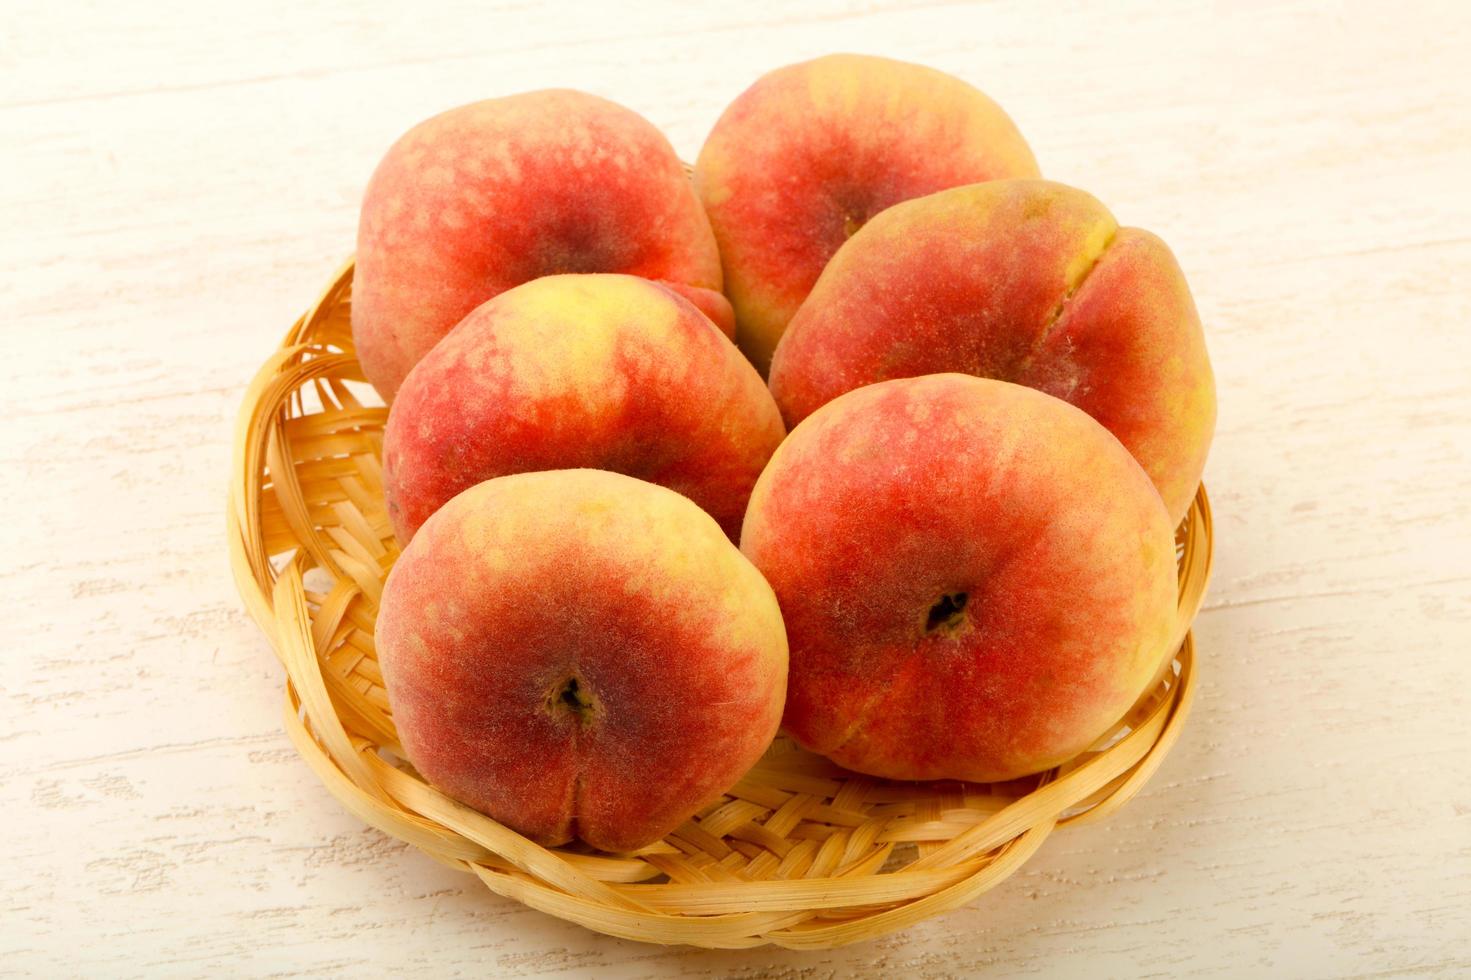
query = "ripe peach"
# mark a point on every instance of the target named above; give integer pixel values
(977, 579)
(603, 371)
(493, 194)
(1021, 280)
(810, 152)
(579, 654)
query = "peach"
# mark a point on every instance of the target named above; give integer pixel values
(1020, 280)
(810, 152)
(977, 579)
(493, 194)
(579, 654)
(602, 371)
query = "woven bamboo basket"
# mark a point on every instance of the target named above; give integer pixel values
(801, 853)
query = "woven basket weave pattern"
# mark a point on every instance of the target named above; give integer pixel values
(801, 853)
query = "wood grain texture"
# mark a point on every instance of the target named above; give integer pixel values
(180, 180)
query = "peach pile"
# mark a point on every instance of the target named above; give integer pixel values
(619, 572)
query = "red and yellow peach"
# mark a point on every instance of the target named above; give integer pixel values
(1020, 280)
(977, 579)
(810, 152)
(580, 655)
(493, 194)
(603, 371)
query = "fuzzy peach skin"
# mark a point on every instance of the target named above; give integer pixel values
(977, 579)
(493, 194)
(603, 371)
(579, 654)
(1021, 280)
(810, 152)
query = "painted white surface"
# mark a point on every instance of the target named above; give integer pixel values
(180, 179)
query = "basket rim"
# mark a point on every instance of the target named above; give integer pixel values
(277, 495)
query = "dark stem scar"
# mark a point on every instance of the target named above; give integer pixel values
(948, 614)
(571, 697)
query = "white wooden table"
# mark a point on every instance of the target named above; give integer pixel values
(180, 178)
